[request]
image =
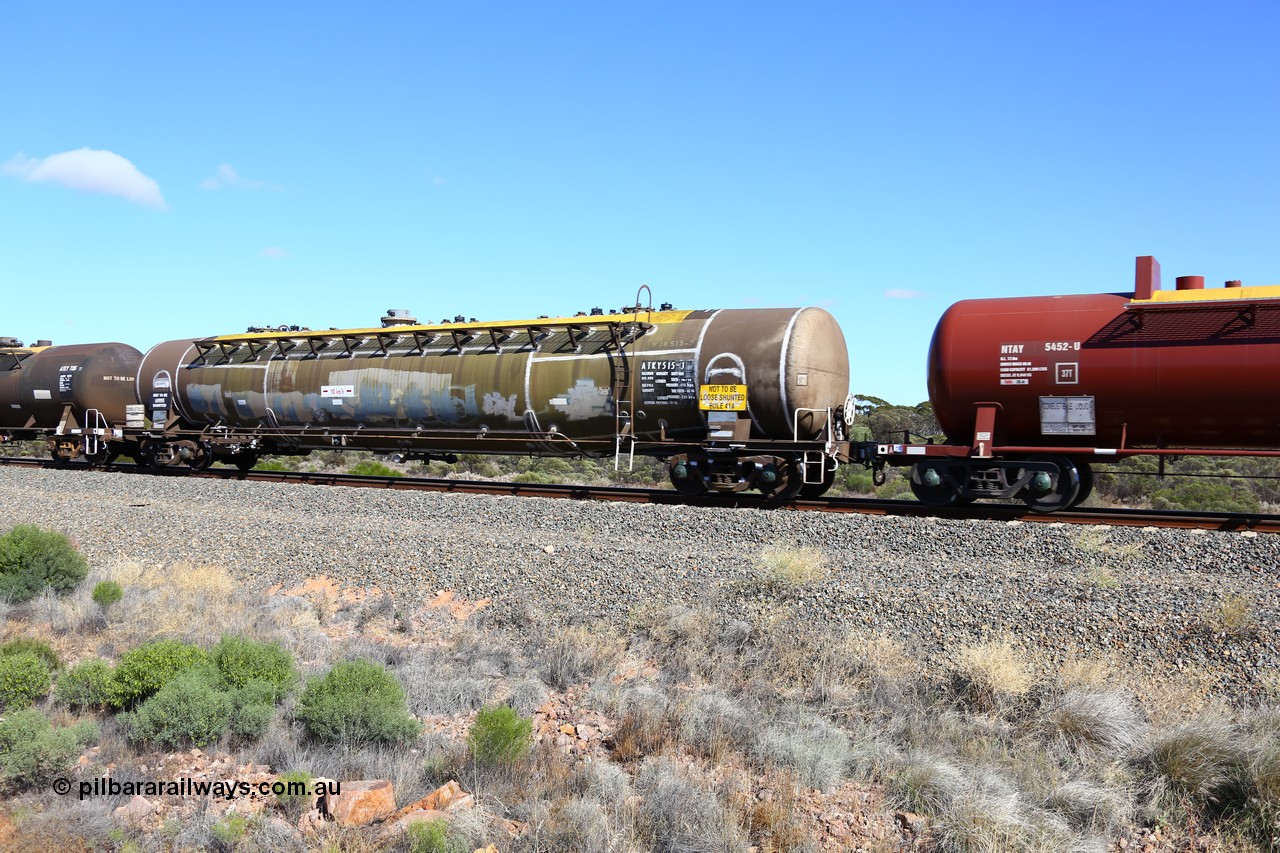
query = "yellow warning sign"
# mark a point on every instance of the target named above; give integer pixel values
(722, 398)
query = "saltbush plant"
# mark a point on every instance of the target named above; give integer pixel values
(32, 559)
(105, 594)
(24, 678)
(33, 752)
(85, 685)
(356, 702)
(242, 661)
(434, 837)
(293, 804)
(500, 736)
(371, 468)
(189, 710)
(144, 670)
(39, 648)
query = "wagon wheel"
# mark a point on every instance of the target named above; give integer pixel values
(145, 455)
(686, 477)
(1086, 483)
(932, 484)
(100, 457)
(204, 460)
(245, 460)
(810, 491)
(1053, 492)
(786, 480)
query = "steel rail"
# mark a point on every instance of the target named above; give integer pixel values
(1224, 521)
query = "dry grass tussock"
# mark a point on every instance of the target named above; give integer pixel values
(991, 675)
(704, 712)
(781, 568)
(182, 600)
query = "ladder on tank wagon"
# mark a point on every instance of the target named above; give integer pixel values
(624, 392)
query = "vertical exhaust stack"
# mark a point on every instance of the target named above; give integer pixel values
(1235, 282)
(1147, 278)
(1190, 282)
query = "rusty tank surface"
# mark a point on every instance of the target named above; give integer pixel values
(1186, 368)
(582, 385)
(40, 385)
(1031, 390)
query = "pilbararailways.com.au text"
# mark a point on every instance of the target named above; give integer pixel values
(227, 789)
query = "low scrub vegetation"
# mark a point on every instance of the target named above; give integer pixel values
(356, 702)
(33, 559)
(686, 729)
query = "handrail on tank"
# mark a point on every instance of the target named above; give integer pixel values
(795, 420)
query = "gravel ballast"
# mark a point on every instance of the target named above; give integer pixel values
(1150, 600)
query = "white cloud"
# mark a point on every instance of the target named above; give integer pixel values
(227, 176)
(275, 253)
(91, 171)
(900, 293)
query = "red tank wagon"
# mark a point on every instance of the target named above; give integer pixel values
(1030, 389)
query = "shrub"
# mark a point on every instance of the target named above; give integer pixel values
(499, 735)
(144, 670)
(24, 678)
(33, 752)
(293, 804)
(250, 722)
(107, 593)
(32, 558)
(434, 837)
(189, 710)
(241, 661)
(356, 702)
(85, 685)
(39, 648)
(230, 831)
(369, 468)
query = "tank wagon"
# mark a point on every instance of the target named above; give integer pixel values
(77, 397)
(1031, 390)
(735, 399)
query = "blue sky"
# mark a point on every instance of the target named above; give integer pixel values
(255, 163)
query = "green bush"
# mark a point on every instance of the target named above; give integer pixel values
(356, 702)
(293, 804)
(500, 735)
(144, 670)
(39, 648)
(434, 837)
(189, 710)
(250, 722)
(1205, 495)
(107, 593)
(536, 478)
(33, 752)
(32, 558)
(369, 468)
(24, 678)
(241, 661)
(85, 685)
(231, 830)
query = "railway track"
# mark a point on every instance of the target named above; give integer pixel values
(1226, 521)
